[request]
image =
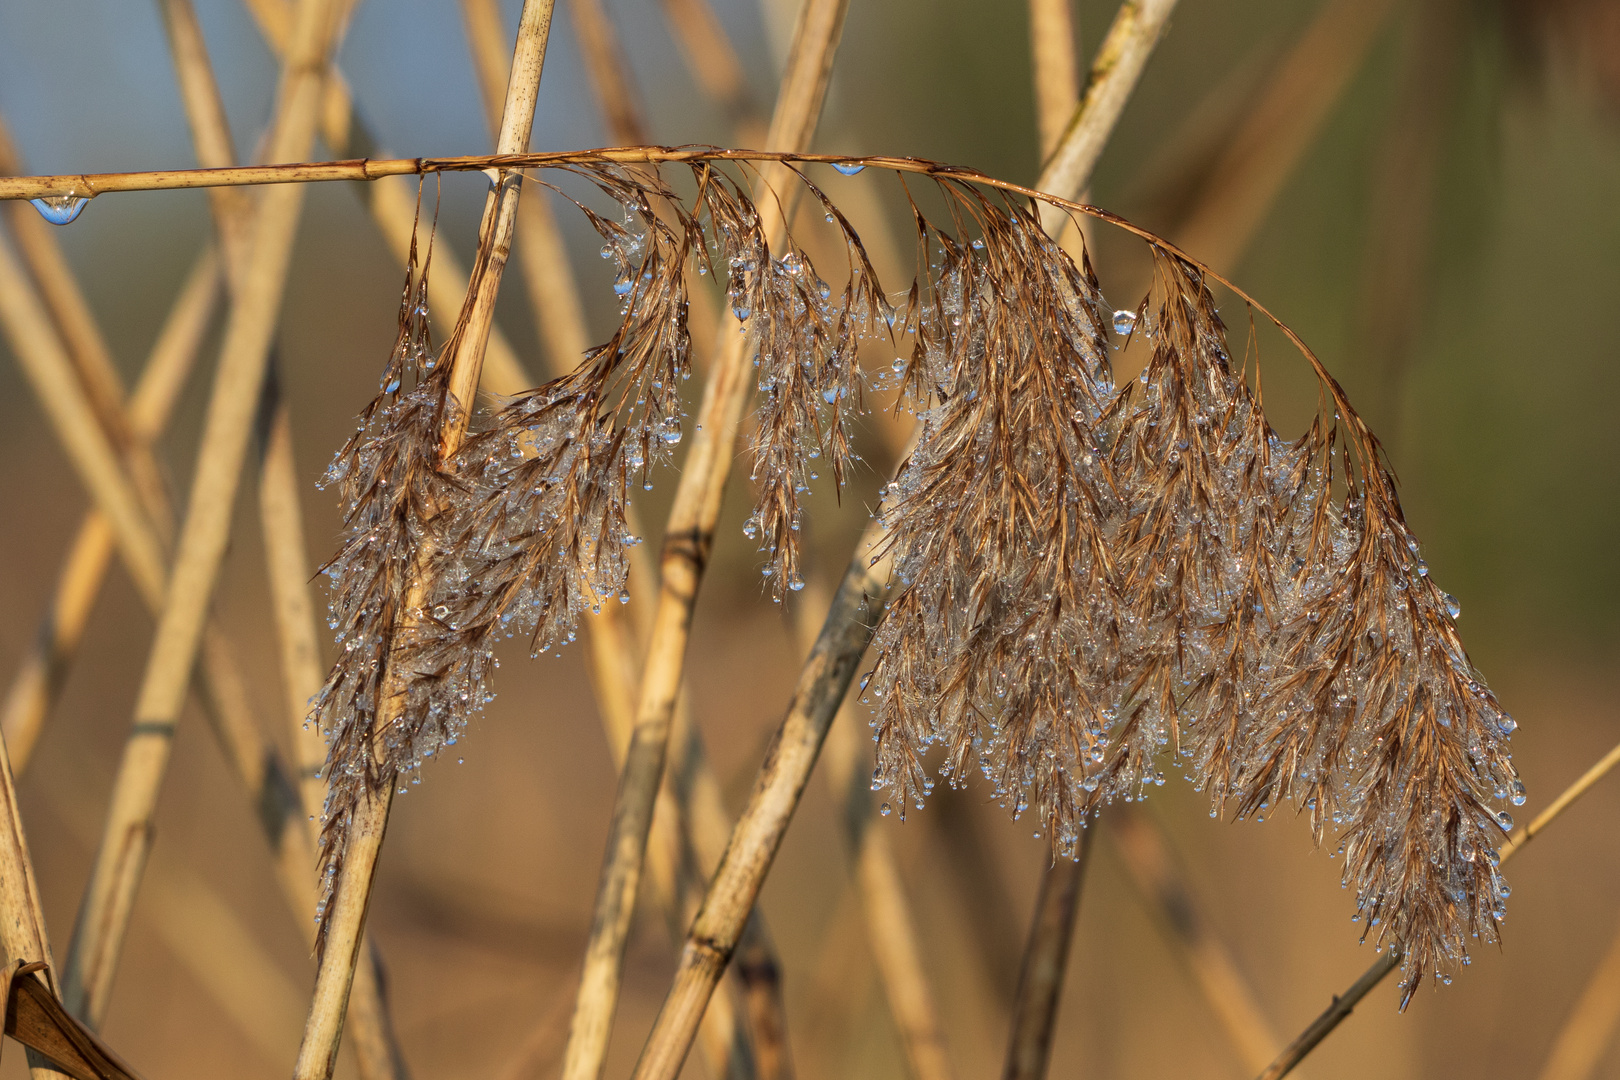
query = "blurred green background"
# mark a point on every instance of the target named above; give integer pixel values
(1448, 243)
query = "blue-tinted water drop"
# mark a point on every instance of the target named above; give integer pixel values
(849, 168)
(623, 286)
(671, 432)
(60, 209)
(1124, 321)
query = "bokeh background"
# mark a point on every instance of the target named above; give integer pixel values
(1448, 242)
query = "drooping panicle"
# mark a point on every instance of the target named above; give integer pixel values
(1091, 582)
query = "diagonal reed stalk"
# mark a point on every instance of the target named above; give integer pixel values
(392, 202)
(360, 831)
(1344, 1004)
(44, 668)
(376, 1046)
(823, 683)
(1589, 1029)
(98, 932)
(688, 539)
(713, 62)
(1162, 884)
(890, 929)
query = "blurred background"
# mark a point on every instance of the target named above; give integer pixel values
(1425, 189)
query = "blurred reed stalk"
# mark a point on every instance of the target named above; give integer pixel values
(363, 831)
(688, 539)
(98, 932)
(1590, 1026)
(376, 1046)
(45, 665)
(1344, 1004)
(1045, 963)
(1162, 884)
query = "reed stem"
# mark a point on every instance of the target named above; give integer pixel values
(1046, 962)
(823, 682)
(345, 920)
(688, 539)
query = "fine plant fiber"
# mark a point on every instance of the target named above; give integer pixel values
(1255, 607)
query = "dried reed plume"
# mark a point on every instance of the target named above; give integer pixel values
(1088, 578)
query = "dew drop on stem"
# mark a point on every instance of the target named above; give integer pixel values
(60, 209)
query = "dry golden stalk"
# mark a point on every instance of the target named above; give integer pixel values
(1114, 74)
(1046, 961)
(823, 683)
(609, 71)
(1163, 886)
(1057, 71)
(1344, 1004)
(713, 63)
(688, 538)
(1589, 1028)
(547, 274)
(1281, 126)
(391, 200)
(354, 835)
(201, 548)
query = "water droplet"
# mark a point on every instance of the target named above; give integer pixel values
(1124, 321)
(60, 209)
(1518, 792)
(671, 433)
(849, 168)
(1453, 608)
(885, 809)
(623, 286)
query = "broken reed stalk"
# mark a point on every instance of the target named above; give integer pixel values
(45, 666)
(1589, 1028)
(1344, 1004)
(1045, 964)
(688, 539)
(1164, 889)
(823, 683)
(377, 1049)
(22, 918)
(357, 814)
(98, 932)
